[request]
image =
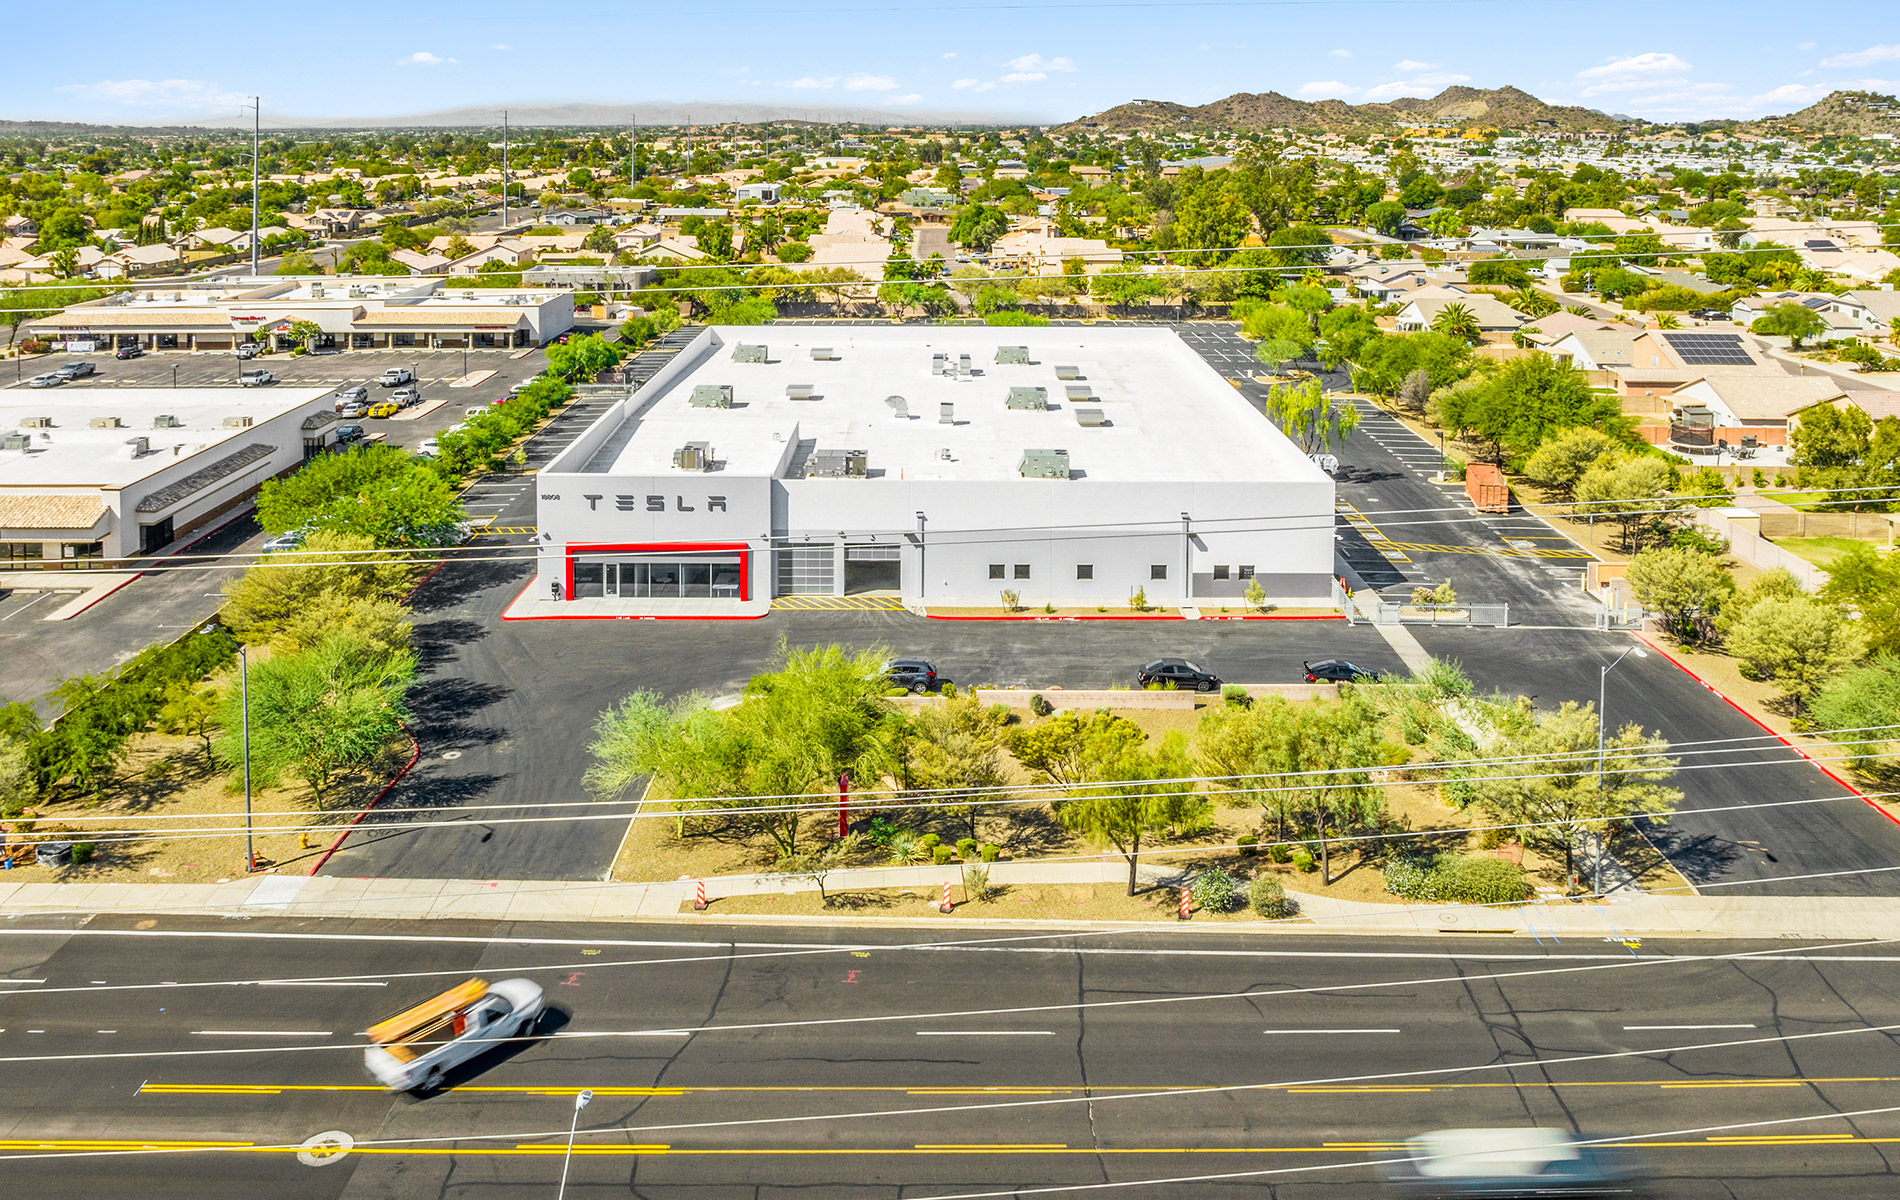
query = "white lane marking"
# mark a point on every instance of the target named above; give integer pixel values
(986, 1033)
(37, 980)
(105, 1031)
(260, 1033)
(1670, 1027)
(629, 1033)
(319, 983)
(1298, 1032)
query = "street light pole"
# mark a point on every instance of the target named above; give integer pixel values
(580, 1101)
(1603, 683)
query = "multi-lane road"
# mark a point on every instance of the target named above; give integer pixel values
(757, 1061)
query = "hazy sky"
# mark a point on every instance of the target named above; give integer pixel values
(1036, 59)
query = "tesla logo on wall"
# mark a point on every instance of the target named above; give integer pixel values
(653, 504)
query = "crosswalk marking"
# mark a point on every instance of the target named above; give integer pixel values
(878, 603)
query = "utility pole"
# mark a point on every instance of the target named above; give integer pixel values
(256, 120)
(504, 169)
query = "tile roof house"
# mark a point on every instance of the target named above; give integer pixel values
(1871, 310)
(421, 263)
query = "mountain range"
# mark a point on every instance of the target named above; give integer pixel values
(1463, 107)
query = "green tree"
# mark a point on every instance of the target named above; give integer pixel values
(1868, 582)
(1799, 643)
(956, 752)
(1385, 216)
(1138, 796)
(1069, 748)
(1560, 462)
(1314, 420)
(1529, 399)
(1866, 701)
(977, 226)
(1627, 489)
(317, 715)
(304, 333)
(1796, 322)
(1682, 585)
(191, 711)
(379, 492)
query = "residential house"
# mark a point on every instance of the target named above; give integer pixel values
(1718, 409)
(509, 253)
(579, 216)
(159, 256)
(1872, 311)
(421, 262)
(677, 248)
(766, 193)
(635, 238)
(1496, 319)
(1039, 254)
(215, 238)
(18, 225)
(1747, 309)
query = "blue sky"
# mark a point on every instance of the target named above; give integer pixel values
(1031, 59)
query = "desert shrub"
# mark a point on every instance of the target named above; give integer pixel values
(1269, 899)
(1280, 852)
(1215, 891)
(990, 853)
(966, 847)
(1040, 706)
(1303, 861)
(1457, 879)
(929, 841)
(942, 854)
(1248, 843)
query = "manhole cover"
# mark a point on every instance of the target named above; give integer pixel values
(325, 1148)
(451, 755)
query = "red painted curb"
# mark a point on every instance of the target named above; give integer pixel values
(1097, 617)
(1684, 668)
(415, 755)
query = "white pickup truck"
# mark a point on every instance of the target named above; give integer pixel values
(415, 1049)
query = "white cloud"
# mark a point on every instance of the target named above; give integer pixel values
(814, 82)
(422, 58)
(1805, 46)
(1023, 77)
(861, 82)
(949, 54)
(1409, 65)
(1422, 86)
(1652, 63)
(1864, 58)
(912, 98)
(1031, 63)
(501, 46)
(1342, 53)
(158, 93)
(1330, 89)
(965, 85)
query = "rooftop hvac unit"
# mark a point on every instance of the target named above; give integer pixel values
(946, 414)
(799, 391)
(166, 421)
(823, 354)
(16, 441)
(1044, 464)
(837, 464)
(316, 291)
(237, 422)
(103, 423)
(963, 366)
(899, 408)
(1028, 397)
(1068, 372)
(37, 423)
(939, 363)
(1017, 355)
(694, 456)
(711, 395)
(748, 354)
(1088, 417)
(138, 447)
(1079, 391)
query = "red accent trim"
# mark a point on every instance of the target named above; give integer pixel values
(1684, 668)
(393, 780)
(606, 617)
(743, 549)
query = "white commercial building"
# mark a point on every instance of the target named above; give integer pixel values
(944, 465)
(110, 473)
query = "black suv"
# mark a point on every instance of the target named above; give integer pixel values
(1338, 670)
(917, 674)
(132, 351)
(1179, 672)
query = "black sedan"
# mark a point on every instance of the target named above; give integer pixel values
(1338, 670)
(128, 352)
(1178, 673)
(917, 674)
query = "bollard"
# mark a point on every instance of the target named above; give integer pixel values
(699, 895)
(944, 905)
(1187, 898)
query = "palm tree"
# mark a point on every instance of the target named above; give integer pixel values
(1455, 320)
(1668, 321)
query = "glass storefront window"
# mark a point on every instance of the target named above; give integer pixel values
(658, 580)
(697, 580)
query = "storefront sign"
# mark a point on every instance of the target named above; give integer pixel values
(652, 503)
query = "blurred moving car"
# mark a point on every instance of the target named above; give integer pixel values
(416, 1048)
(1328, 463)
(1338, 670)
(346, 434)
(429, 448)
(1510, 1162)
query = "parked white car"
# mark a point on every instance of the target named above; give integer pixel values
(417, 1048)
(396, 377)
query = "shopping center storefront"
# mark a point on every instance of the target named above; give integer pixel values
(658, 571)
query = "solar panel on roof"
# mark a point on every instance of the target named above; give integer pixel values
(1709, 349)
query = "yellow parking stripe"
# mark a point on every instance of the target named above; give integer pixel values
(505, 530)
(1383, 544)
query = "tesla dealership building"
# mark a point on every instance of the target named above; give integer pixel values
(941, 464)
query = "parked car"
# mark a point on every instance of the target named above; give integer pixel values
(397, 376)
(405, 396)
(49, 379)
(345, 434)
(1711, 314)
(249, 350)
(358, 392)
(288, 540)
(1510, 1162)
(917, 674)
(75, 370)
(1338, 670)
(472, 412)
(1328, 463)
(429, 448)
(384, 408)
(133, 351)
(1180, 673)
(351, 408)
(416, 1048)
(257, 378)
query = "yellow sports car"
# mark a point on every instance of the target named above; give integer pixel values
(384, 409)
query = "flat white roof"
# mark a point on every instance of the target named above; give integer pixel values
(1169, 416)
(73, 454)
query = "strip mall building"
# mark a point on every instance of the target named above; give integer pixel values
(942, 465)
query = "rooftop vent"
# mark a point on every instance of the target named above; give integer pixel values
(946, 414)
(837, 464)
(898, 406)
(1028, 397)
(939, 363)
(748, 354)
(1018, 355)
(37, 423)
(103, 423)
(16, 441)
(1068, 372)
(799, 391)
(1079, 391)
(711, 395)
(237, 422)
(694, 456)
(1089, 417)
(316, 291)
(166, 421)
(963, 365)
(138, 447)
(823, 354)
(1044, 464)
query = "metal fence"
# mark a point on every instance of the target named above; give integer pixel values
(1376, 610)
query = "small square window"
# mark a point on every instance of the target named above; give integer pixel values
(1158, 571)
(1246, 570)
(1220, 572)
(1085, 570)
(996, 570)
(1022, 570)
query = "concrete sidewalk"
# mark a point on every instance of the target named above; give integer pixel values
(1752, 917)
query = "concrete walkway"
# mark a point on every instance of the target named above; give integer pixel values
(536, 900)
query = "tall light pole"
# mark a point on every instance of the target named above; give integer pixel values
(1603, 683)
(580, 1101)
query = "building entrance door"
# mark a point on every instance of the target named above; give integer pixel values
(612, 573)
